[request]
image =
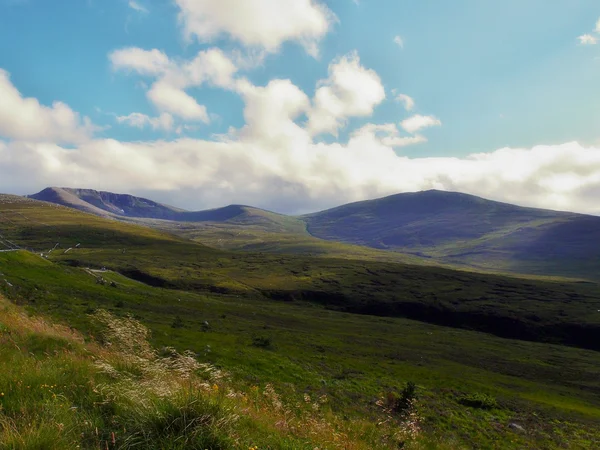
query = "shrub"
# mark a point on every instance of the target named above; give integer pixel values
(262, 342)
(401, 404)
(477, 400)
(177, 322)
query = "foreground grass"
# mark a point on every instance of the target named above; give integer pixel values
(58, 392)
(550, 391)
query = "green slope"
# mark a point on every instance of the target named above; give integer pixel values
(284, 320)
(463, 229)
(551, 391)
(561, 312)
(432, 227)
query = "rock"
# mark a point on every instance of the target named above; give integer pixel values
(516, 427)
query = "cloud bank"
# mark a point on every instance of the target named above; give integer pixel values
(274, 162)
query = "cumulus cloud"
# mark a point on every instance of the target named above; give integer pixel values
(418, 122)
(163, 122)
(399, 41)
(590, 39)
(257, 23)
(587, 39)
(351, 90)
(167, 93)
(406, 101)
(144, 62)
(171, 99)
(201, 173)
(274, 162)
(26, 118)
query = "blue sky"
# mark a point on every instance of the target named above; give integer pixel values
(483, 75)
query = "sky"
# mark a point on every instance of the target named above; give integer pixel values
(300, 105)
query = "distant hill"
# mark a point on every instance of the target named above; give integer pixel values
(108, 204)
(443, 227)
(453, 227)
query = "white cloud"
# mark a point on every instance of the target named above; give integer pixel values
(273, 161)
(171, 99)
(199, 173)
(145, 62)
(209, 66)
(399, 41)
(168, 94)
(26, 118)
(163, 122)
(418, 122)
(351, 90)
(388, 134)
(587, 39)
(137, 7)
(407, 101)
(257, 23)
(590, 39)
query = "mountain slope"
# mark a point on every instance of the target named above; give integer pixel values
(445, 228)
(560, 312)
(459, 228)
(108, 204)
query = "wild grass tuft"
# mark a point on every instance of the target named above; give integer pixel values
(58, 392)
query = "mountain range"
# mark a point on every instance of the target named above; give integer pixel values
(438, 226)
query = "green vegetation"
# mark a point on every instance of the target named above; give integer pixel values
(431, 227)
(559, 312)
(454, 228)
(275, 320)
(352, 359)
(57, 392)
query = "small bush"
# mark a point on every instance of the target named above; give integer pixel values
(262, 342)
(177, 322)
(477, 400)
(401, 404)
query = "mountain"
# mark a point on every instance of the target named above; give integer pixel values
(453, 227)
(325, 337)
(108, 204)
(441, 227)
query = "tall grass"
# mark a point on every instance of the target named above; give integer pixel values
(56, 391)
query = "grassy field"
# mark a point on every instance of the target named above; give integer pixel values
(559, 312)
(58, 391)
(275, 319)
(551, 391)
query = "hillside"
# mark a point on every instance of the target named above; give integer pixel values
(61, 390)
(510, 307)
(431, 227)
(124, 206)
(281, 326)
(463, 229)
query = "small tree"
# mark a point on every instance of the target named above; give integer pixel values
(177, 322)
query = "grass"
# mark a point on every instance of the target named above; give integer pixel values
(127, 395)
(455, 228)
(551, 311)
(231, 305)
(351, 359)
